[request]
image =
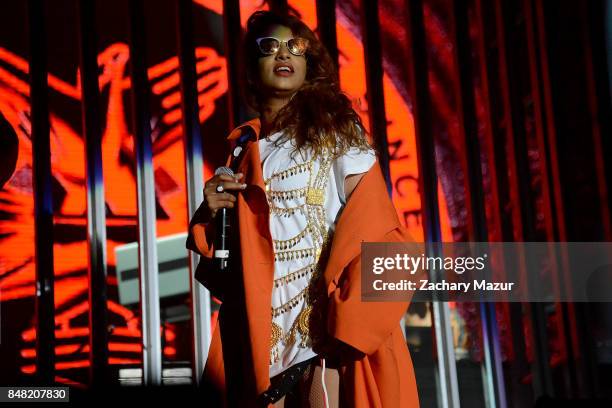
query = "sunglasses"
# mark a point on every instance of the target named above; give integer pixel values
(270, 45)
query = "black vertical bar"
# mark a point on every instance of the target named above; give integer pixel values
(279, 6)
(542, 376)
(326, 26)
(448, 390)
(542, 372)
(501, 131)
(598, 33)
(573, 371)
(476, 197)
(139, 75)
(200, 298)
(421, 111)
(514, 31)
(187, 67)
(43, 201)
(592, 37)
(140, 85)
(470, 126)
(147, 238)
(96, 220)
(374, 82)
(232, 38)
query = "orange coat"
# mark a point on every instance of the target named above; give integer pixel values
(237, 367)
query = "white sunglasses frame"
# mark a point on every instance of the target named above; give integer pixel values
(280, 44)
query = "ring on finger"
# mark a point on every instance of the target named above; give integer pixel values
(220, 188)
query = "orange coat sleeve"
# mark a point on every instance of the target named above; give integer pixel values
(200, 239)
(363, 325)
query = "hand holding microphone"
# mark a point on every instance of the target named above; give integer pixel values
(221, 199)
(219, 202)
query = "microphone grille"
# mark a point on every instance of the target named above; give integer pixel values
(224, 170)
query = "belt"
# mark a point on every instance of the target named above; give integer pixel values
(282, 383)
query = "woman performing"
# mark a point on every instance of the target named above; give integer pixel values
(307, 191)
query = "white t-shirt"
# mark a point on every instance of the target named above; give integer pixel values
(305, 198)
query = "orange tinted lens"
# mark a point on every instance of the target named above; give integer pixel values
(298, 45)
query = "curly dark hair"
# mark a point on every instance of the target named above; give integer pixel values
(319, 115)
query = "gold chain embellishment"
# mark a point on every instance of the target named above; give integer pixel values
(317, 220)
(296, 254)
(290, 277)
(321, 179)
(315, 196)
(301, 326)
(277, 336)
(316, 192)
(316, 217)
(290, 304)
(321, 216)
(291, 171)
(282, 244)
(287, 194)
(315, 225)
(287, 211)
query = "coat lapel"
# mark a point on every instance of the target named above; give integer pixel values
(257, 258)
(250, 165)
(254, 124)
(253, 197)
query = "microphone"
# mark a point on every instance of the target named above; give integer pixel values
(222, 224)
